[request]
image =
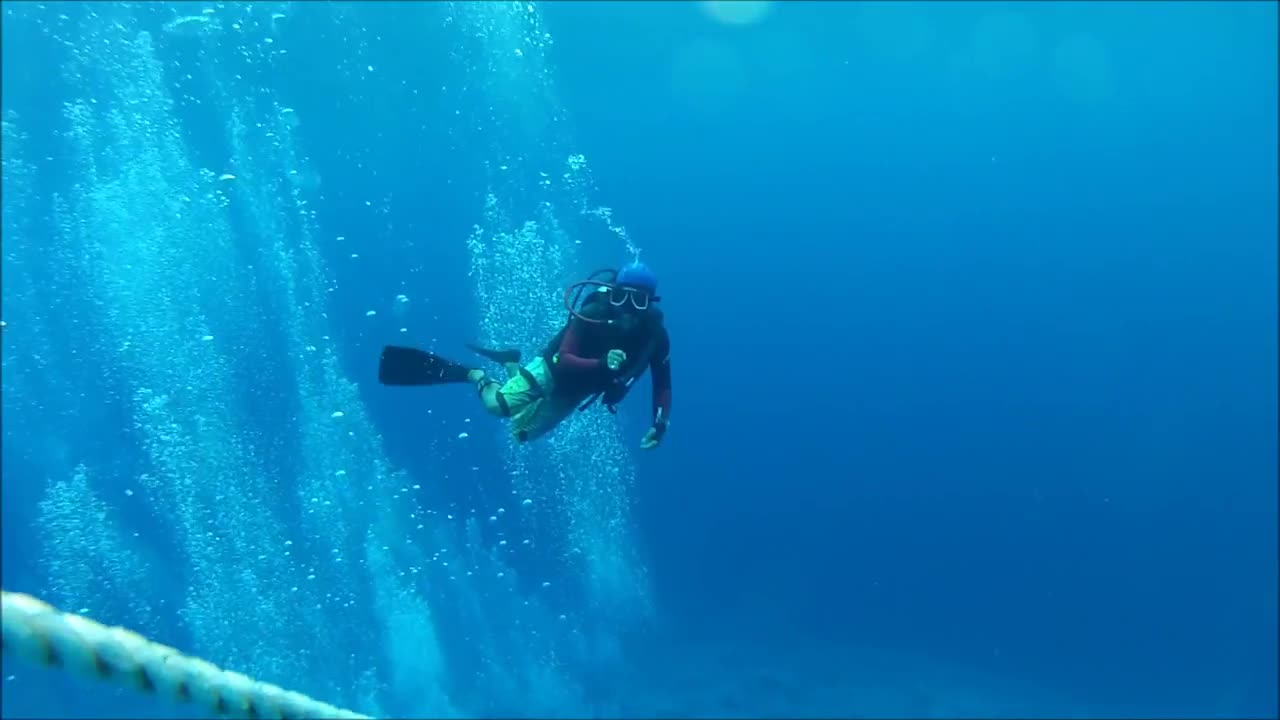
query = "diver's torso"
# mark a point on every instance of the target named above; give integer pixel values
(631, 333)
(634, 333)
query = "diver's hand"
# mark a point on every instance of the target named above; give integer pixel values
(614, 359)
(655, 433)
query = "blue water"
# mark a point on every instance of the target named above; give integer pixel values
(973, 315)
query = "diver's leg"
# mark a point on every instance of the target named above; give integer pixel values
(522, 389)
(544, 417)
(490, 393)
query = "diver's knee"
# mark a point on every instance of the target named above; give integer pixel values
(489, 395)
(493, 399)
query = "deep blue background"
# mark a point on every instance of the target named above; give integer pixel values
(968, 365)
(926, 400)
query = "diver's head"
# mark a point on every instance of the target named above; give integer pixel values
(634, 287)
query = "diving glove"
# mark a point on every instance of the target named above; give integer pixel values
(614, 359)
(655, 433)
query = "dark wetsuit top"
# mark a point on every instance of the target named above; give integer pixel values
(577, 354)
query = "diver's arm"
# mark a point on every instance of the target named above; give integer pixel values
(660, 373)
(660, 370)
(570, 346)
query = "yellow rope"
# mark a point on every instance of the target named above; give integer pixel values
(41, 634)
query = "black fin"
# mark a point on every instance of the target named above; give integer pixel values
(411, 366)
(499, 356)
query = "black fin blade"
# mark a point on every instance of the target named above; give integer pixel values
(405, 366)
(499, 356)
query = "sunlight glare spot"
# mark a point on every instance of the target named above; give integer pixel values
(737, 12)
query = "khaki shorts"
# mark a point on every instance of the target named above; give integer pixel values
(535, 409)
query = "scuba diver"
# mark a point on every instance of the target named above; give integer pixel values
(614, 333)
